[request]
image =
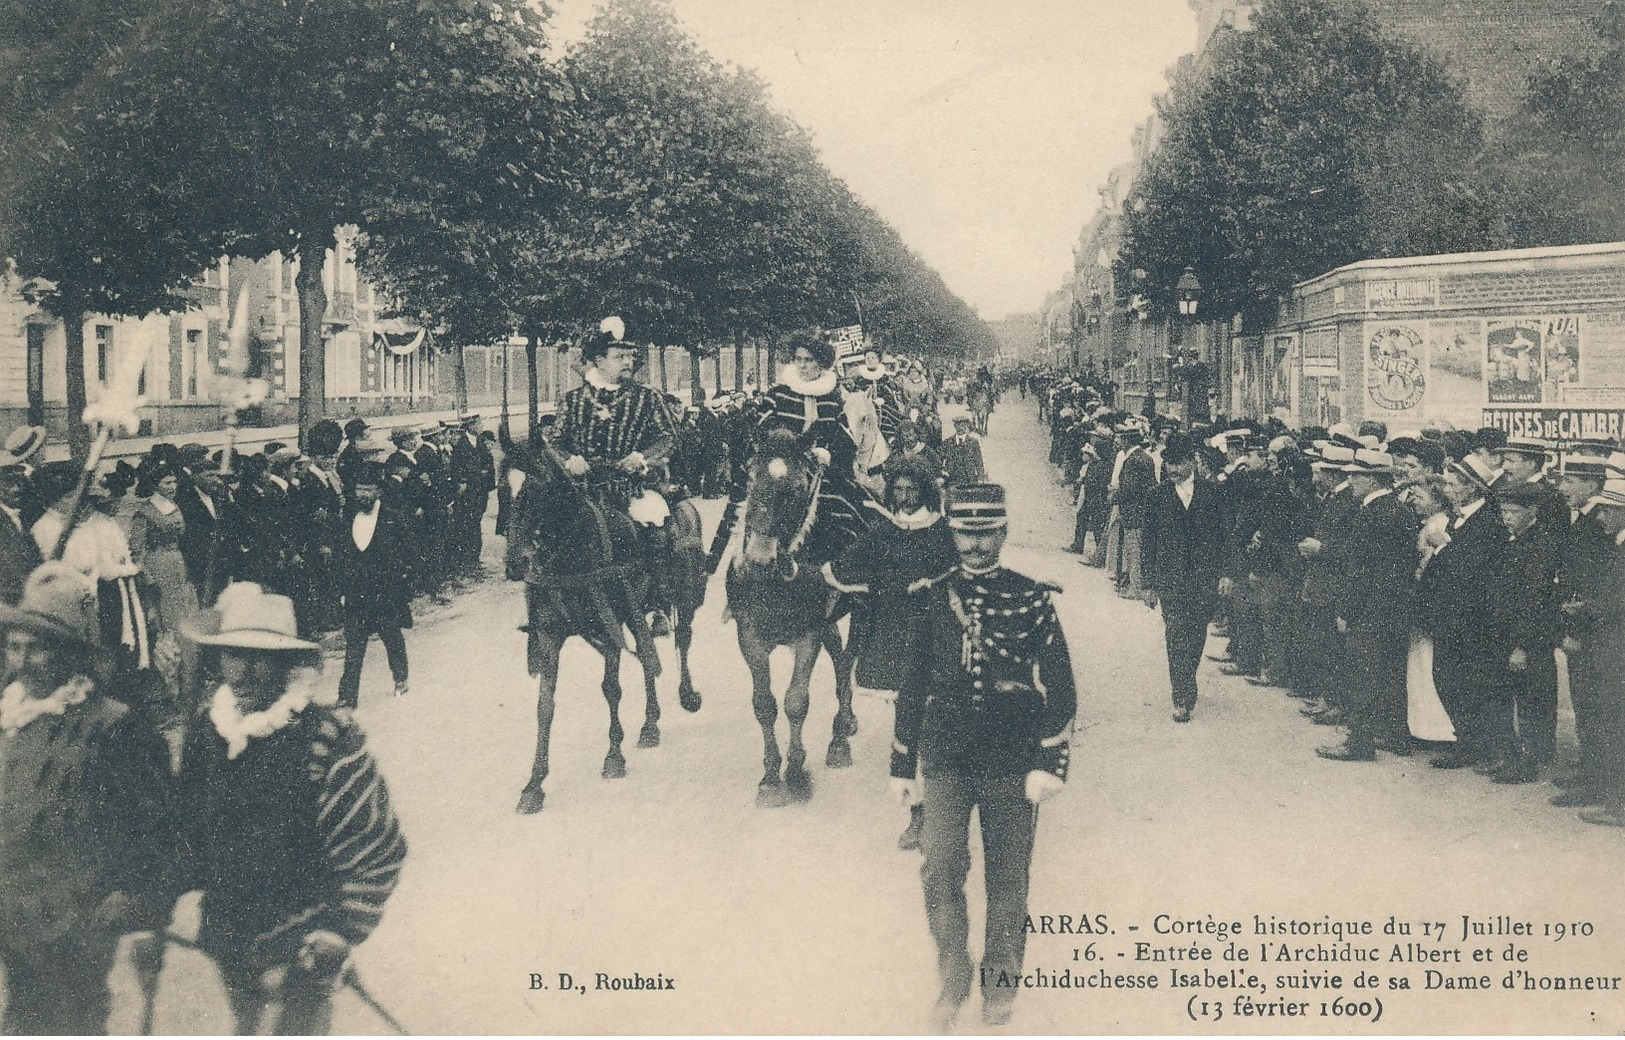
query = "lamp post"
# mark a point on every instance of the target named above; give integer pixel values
(1190, 362)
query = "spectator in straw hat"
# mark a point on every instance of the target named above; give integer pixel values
(86, 835)
(290, 832)
(19, 554)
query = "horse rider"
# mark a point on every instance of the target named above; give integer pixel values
(619, 435)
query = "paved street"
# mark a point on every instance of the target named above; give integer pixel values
(807, 919)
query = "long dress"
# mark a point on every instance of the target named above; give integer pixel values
(155, 547)
(1424, 711)
(814, 411)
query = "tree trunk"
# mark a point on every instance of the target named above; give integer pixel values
(459, 370)
(533, 413)
(718, 363)
(696, 393)
(313, 246)
(660, 355)
(73, 322)
(772, 375)
(503, 424)
(739, 361)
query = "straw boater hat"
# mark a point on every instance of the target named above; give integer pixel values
(1613, 489)
(1526, 446)
(24, 442)
(58, 603)
(253, 619)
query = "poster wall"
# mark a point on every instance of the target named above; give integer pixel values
(1454, 371)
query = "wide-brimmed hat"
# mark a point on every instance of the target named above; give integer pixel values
(252, 619)
(1613, 489)
(22, 443)
(1529, 446)
(59, 603)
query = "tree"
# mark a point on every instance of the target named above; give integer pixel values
(296, 118)
(68, 172)
(1558, 160)
(1311, 142)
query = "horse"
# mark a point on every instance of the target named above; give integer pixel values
(776, 600)
(585, 575)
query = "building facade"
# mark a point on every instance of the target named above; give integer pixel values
(1530, 340)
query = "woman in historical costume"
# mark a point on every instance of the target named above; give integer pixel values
(1424, 711)
(155, 547)
(911, 546)
(807, 402)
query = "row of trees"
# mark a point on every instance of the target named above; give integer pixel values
(1315, 141)
(496, 188)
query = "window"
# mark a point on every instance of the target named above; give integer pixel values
(287, 275)
(192, 361)
(104, 352)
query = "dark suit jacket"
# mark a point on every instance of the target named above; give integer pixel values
(18, 558)
(962, 463)
(1184, 549)
(1458, 600)
(377, 581)
(1380, 565)
(1324, 574)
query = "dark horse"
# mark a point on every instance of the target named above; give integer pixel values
(585, 576)
(777, 599)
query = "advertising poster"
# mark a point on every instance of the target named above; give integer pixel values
(1395, 373)
(1562, 355)
(1603, 362)
(1513, 360)
(1455, 351)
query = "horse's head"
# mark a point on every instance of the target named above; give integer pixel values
(778, 497)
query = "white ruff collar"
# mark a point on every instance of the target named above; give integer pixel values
(916, 521)
(595, 379)
(18, 709)
(824, 384)
(238, 729)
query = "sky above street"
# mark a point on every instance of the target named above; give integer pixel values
(981, 129)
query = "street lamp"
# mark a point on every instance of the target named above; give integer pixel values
(1188, 288)
(1190, 361)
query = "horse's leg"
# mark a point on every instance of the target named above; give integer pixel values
(614, 761)
(687, 695)
(797, 781)
(770, 791)
(839, 755)
(649, 736)
(544, 655)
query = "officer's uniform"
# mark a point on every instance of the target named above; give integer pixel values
(989, 698)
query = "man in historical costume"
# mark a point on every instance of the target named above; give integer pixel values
(984, 722)
(1373, 599)
(373, 568)
(289, 830)
(86, 816)
(1459, 604)
(618, 436)
(1184, 562)
(962, 455)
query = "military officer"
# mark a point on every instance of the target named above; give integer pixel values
(985, 717)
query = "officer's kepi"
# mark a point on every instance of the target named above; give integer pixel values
(977, 507)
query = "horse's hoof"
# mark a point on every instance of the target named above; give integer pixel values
(840, 755)
(650, 736)
(689, 698)
(530, 802)
(614, 767)
(770, 795)
(798, 784)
